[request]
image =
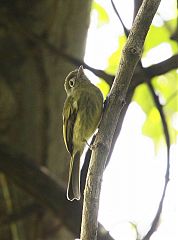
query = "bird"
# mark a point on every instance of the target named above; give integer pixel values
(82, 113)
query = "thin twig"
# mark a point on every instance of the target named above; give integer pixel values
(159, 107)
(126, 31)
(147, 78)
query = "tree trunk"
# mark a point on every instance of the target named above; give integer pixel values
(32, 95)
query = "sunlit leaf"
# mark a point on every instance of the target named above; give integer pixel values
(103, 16)
(167, 87)
(143, 97)
(158, 35)
(104, 87)
(113, 60)
(152, 126)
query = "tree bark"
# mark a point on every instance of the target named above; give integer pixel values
(31, 89)
(130, 57)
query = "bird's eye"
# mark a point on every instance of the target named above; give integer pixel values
(72, 82)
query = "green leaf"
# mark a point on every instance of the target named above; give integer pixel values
(143, 97)
(152, 126)
(158, 35)
(113, 60)
(103, 16)
(104, 87)
(167, 88)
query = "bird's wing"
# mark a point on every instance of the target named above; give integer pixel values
(69, 116)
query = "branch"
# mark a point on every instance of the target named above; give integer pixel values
(126, 31)
(44, 188)
(162, 67)
(152, 71)
(155, 70)
(137, 4)
(130, 57)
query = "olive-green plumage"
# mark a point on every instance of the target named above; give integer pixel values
(81, 116)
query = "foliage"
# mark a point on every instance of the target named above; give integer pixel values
(102, 16)
(166, 86)
(161, 34)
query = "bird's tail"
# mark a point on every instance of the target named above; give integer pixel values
(73, 189)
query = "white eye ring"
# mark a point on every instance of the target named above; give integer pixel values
(72, 82)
